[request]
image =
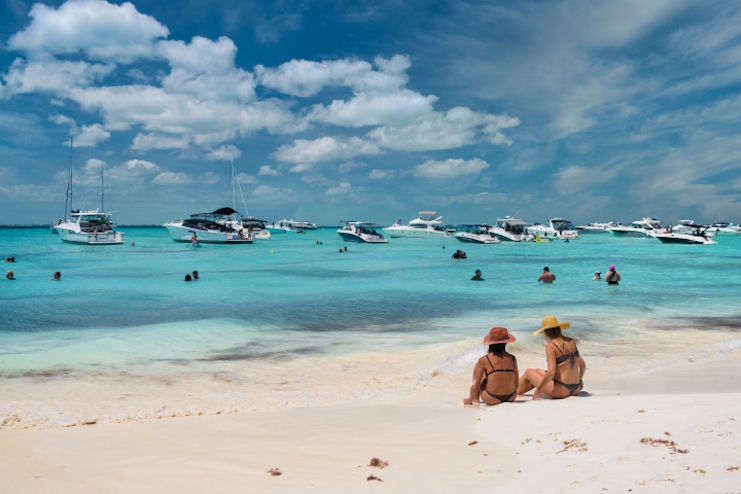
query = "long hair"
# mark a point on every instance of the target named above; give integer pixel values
(497, 348)
(555, 333)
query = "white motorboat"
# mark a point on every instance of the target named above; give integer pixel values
(257, 227)
(510, 229)
(723, 228)
(696, 235)
(90, 228)
(556, 228)
(217, 227)
(641, 228)
(290, 226)
(595, 227)
(476, 234)
(427, 225)
(361, 232)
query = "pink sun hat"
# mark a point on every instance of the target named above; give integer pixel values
(498, 335)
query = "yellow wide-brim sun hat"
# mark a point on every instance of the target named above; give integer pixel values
(551, 322)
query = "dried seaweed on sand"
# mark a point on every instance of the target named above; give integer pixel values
(378, 463)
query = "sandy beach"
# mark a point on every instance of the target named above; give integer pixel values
(673, 430)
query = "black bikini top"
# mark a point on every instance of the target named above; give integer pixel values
(493, 370)
(564, 357)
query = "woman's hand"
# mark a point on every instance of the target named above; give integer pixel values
(536, 394)
(467, 401)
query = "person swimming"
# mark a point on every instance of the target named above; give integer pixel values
(10, 276)
(566, 367)
(477, 276)
(188, 278)
(495, 375)
(597, 275)
(195, 275)
(57, 276)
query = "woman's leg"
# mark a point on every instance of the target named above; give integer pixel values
(530, 379)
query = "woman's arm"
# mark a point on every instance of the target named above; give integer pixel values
(478, 378)
(550, 354)
(582, 368)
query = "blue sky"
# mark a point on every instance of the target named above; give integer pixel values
(592, 111)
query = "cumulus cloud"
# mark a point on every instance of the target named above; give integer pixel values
(101, 30)
(51, 76)
(374, 108)
(147, 142)
(381, 174)
(268, 170)
(450, 168)
(339, 189)
(349, 166)
(172, 178)
(246, 178)
(224, 153)
(455, 128)
(90, 136)
(305, 78)
(303, 152)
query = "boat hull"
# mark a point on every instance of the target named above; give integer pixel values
(179, 233)
(108, 238)
(362, 239)
(630, 233)
(683, 239)
(415, 233)
(472, 238)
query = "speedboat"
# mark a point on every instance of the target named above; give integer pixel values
(641, 228)
(90, 228)
(217, 227)
(427, 225)
(509, 229)
(361, 232)
(556, 227)
(290, 226)
(696, 235)
(595, 227)
(476, 234)
(257, 227)
(724, 228)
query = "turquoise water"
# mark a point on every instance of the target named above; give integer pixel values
(126, 308)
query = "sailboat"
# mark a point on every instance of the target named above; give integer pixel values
(57, 226)
(89, 227)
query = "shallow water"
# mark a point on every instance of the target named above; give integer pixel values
(288, 322)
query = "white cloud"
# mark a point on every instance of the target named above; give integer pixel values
(305, 78)
(138, 75)
(147, 142)
(311, 179)
(103, 31)
(93, 166)
(303, 152)
(246, 178)
(349, 166)
(268, 191)
(172, 178)
(224, 153)
(381, 174)
(339, 189)
(375, 108)
(267, 170)
(455, 128)
(62, 120)
(209, 178)
(51, 76)
(450, 168)
(90, 136)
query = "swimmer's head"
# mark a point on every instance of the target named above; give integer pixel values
(598, 272)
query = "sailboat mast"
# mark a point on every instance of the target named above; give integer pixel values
(68, 196)
(102, 188)
(234, 186)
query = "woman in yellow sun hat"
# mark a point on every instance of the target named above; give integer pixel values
(566, 368)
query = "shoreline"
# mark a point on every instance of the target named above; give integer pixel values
(425, 436)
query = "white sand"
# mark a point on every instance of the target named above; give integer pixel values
(425, 437)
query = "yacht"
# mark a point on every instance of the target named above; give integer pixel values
(258, 227)
(427, 225)
(510, 229)
(217, 227)
(476, 234)
(361, 232)
(90, 228)
(695, 234)
(290, 226)
(595, 227)
(724, 228)
(556, 227)
(641, 228)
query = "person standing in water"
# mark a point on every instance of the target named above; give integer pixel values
(613, 276)
(597, 275)
(194, 240)
(547, 276)
(477, 276)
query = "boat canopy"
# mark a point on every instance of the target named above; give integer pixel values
(224, 212)
(514, 222)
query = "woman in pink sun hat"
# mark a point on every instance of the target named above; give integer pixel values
(495, 375)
